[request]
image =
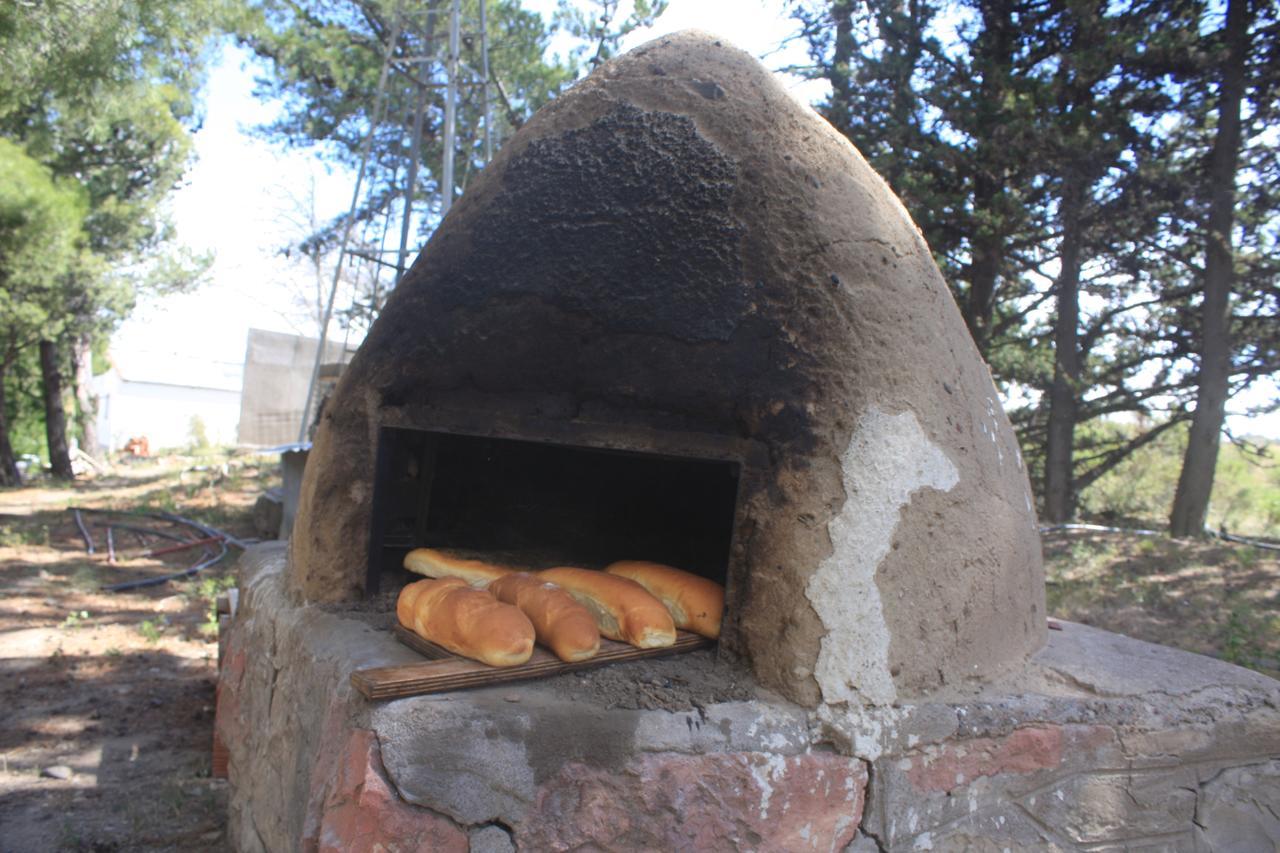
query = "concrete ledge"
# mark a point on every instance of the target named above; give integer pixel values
(1100, 743)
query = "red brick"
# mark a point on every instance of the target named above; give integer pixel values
(726, 801)
(226, 715)
(1025, 750)
(1032, 749)
(362, 812)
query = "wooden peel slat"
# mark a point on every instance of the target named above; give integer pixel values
(449, 672)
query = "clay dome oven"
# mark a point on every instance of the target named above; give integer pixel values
(679, 318)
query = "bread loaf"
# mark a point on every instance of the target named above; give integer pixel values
(469, 622)
(623, 610)
(437, 564)
(561, 623)
(696, 603)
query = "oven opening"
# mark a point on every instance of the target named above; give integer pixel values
(543, 505)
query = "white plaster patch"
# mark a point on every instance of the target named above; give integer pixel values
(774, 766)
(842, 823)
(889, 457)
(862, 733)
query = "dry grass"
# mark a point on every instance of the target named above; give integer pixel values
(1214, 598)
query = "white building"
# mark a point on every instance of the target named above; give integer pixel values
(166, 398)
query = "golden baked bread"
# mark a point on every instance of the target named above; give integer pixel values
(696, 603)
(560, 622)
(435, 563)
(469, 622)
(623, 610)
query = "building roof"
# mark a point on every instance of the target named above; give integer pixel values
(180, 369)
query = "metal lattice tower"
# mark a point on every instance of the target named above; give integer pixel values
(441, 58)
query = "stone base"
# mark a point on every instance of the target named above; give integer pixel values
(1100, 743)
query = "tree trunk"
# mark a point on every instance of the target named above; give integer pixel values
(838, 73)
(86, 401)
(9, 475)
(1059, 494)
(908, 47)
(994, 58)
(55, 414)
(1195, 482)
(984, 270)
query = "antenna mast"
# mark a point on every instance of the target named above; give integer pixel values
(421, 83)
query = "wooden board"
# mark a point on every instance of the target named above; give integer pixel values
(446, 671)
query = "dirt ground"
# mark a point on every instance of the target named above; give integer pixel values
(115, 691)
(1216, 598)
(118, 688)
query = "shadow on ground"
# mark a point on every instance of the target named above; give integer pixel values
(1212, 597)
(113, 690)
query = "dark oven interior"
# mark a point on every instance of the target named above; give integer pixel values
(540, 505)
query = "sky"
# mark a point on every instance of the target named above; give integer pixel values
(243, 197)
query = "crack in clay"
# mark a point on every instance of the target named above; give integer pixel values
(384, 772)
(498, 824)
(253, 824)
(891, 245)
(275, 674)
(889, 457)
(866, 801)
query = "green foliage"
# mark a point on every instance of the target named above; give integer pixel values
(598, 30)
(1246, 491)
(151, 630)
(41, 222)
(327, 56)
(86, 577)
(1022, 137)
(1141, 487)
(103, 92)
(1245, 636)
(75, 618)
(159, 500)
(199, 435)
(206, 590)
(71, 52)
(16, 535)
(41, 242)
(100, 94)
(1199, 596)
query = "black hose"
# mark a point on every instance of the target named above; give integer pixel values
(84, 531)
(1098, 528)
(206, 529)
(1220, 534)
(209, 532)
(185, 573)
(1231, 537)
(145, 531)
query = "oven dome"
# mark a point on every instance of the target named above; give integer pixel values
(678, 258)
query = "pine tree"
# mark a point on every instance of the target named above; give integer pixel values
(1237, 340)
(41, 231)
(102, 94)
(1033, 143)
(328, 58)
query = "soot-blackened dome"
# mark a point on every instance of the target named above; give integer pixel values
(677, 247)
